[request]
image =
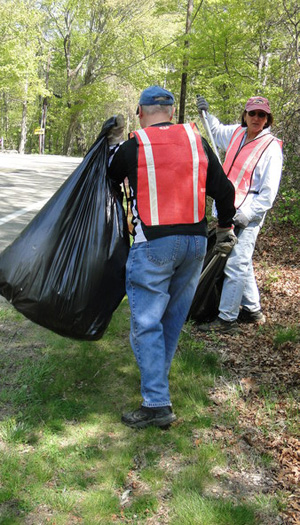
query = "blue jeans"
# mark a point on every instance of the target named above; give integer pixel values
(239, 287)
(161, 280)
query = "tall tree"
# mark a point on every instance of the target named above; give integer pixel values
(19, 63)
(93, 45)
(189, 12)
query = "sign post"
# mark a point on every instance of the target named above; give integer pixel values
(40, 132)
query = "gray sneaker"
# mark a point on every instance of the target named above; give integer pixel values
(145, 417)
(245, 316)
(220, 326)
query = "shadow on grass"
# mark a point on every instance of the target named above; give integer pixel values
(47, 379)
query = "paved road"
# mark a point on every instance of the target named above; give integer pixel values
(26, 183)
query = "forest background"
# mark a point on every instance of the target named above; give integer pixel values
(67, 65)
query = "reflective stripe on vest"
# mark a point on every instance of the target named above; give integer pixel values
(171, 176)
(240, 163)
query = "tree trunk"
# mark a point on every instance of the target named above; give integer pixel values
(70, 135)
(190, 7)
(45, 108)
(23, 137)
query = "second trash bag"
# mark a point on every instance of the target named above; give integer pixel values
(66, 270)
(205, 305)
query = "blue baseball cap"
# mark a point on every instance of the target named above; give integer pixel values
(155, 95)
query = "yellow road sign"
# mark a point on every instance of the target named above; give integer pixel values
(39, 131)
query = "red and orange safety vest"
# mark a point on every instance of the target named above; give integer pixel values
(171, 175)
(240, 162)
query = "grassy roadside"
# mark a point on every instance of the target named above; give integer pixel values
(67, 459)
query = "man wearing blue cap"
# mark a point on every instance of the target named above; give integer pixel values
(170, 169)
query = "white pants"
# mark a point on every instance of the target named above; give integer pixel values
(239, 287)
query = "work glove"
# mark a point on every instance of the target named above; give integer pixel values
(115, 134)
(202, 104)
(240, 219)
(226, 239)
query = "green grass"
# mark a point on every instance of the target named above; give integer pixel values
(193, 509)
(65, 457)
(284, 335)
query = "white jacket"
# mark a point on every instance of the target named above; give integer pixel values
(266, 176)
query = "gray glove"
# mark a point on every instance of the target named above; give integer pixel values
(116, 134)
(202, 104)
(226, 239)
(240, 219)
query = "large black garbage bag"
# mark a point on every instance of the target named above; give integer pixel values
(66, 270)
(205, 305)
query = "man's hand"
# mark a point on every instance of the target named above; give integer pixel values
(116, 133)
(202, 104)
(226, 239)
(240, 219)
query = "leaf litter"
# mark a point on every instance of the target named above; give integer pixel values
(260, 382)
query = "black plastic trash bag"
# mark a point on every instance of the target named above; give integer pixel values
(66, 270)
(205, 305)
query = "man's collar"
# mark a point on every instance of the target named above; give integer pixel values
(168, 123)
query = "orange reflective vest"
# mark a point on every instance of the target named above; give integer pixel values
(240, 163)
(171, 175)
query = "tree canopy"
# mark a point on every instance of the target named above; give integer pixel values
(66, 65)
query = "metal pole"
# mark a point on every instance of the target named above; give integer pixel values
(210, 265)
(204, 120)
(206, 125)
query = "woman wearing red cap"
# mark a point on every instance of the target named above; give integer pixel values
(253, 163)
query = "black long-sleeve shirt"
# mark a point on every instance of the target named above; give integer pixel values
(124, 164)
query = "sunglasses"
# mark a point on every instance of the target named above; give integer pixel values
(260, 114)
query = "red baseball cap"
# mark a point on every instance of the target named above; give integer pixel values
(258, 103)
